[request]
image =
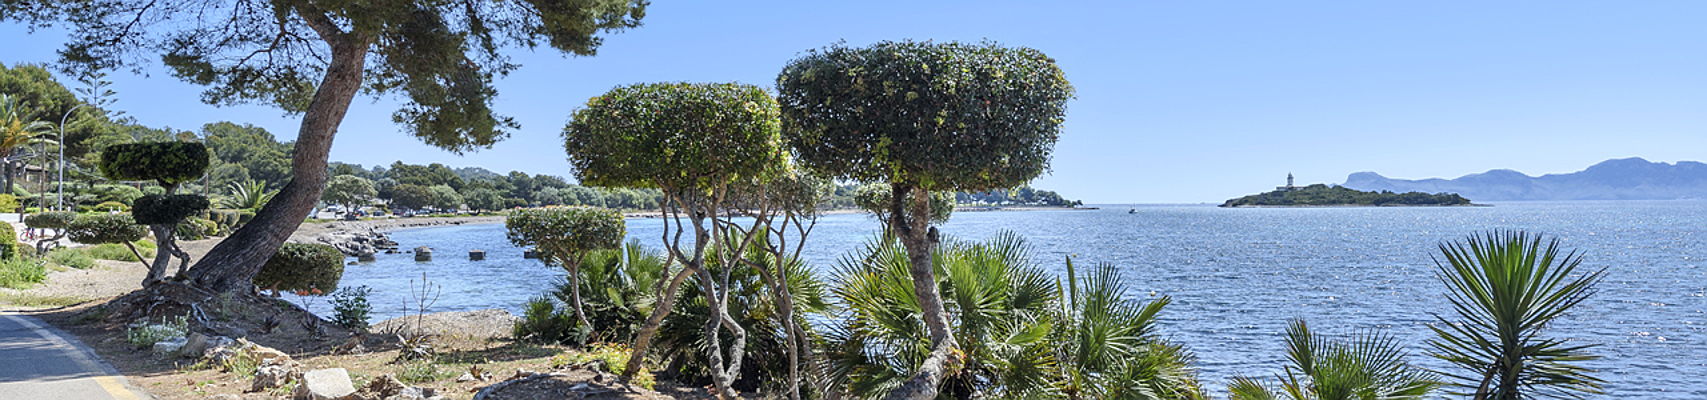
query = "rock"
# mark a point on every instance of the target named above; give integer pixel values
(324, 384)
(272, 376)
(530, 254)
(169, 346)
(198, 344)
(225, 397)
(388, 387)
(423, 253)
(466, 377)
(477, 255)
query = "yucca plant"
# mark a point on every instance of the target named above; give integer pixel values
(1506, 288)
(1370, 366)
(247, 195)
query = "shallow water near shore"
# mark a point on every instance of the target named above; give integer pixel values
(1238, 275)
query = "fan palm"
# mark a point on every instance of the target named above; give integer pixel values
(1107, 348)
(682, 340)
(1020, 333)
(1369, 367)
(247, 195)
(1505, 289)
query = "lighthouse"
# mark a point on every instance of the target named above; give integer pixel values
(1289, 185)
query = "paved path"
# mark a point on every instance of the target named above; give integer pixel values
(39, 362)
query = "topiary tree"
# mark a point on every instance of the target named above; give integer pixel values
(169, 164)
(58, 221)
(924, 117)
(312, 58)
(302, 268)
(107, 228)
(564, 236)
(693, 142)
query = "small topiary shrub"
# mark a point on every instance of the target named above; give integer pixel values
(167, 209)
(300, 267)
(105, 228)
(50, 220)
(111, 206)
(165, 162)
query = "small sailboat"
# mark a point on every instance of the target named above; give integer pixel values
(1132, 211)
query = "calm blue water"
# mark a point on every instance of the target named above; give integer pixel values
(1238, 275)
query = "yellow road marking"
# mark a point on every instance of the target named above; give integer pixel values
(113, 387)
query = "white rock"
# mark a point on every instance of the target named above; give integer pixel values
(273, 376)
(324, 384)
(169, 346)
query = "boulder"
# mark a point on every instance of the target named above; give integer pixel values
(324, 384)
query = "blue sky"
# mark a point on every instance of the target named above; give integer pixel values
(1177, 101)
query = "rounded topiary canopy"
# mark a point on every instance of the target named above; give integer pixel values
(566, 231)
(302, 266)
(168, 163)
(105, 228)
(942, 116)
(679, 135)
(167, 209)
(50, 219)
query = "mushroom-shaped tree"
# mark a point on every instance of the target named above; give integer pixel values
(564, 236)
(924, 117)
(696, 143)
(169, 164)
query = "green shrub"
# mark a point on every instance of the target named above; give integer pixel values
(117, 251)
(165, 162)
(300, 267)
(244, 216)
(9, 246)
(167, 209)
(350, 307)
(75, 257)
(195, 229)
(50, 220)
(21, 273)
(8, 203)
(614, 356)
(110, 206)
(541, 321)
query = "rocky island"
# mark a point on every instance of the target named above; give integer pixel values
(1320, 195)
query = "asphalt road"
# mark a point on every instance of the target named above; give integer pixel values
(39, 362)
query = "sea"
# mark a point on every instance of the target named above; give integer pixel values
(1237, 276)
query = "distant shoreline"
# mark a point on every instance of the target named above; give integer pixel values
(1357, 206)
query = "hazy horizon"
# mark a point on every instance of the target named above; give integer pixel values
(1178, 103)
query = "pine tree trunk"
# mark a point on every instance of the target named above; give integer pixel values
(232, 264)
(916, 235)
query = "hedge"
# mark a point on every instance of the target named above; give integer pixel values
(167, 209)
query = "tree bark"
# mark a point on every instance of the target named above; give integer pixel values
(649, 331)
(574, 266)
(916, 235)
(233, 263)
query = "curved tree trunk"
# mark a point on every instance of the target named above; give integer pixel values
(914, 230)
(232, 264)
(163, 242)
(574, 267)
(649, 331)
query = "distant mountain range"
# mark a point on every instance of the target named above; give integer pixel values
(1619, 179)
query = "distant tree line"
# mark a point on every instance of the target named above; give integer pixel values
(1325, 195)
